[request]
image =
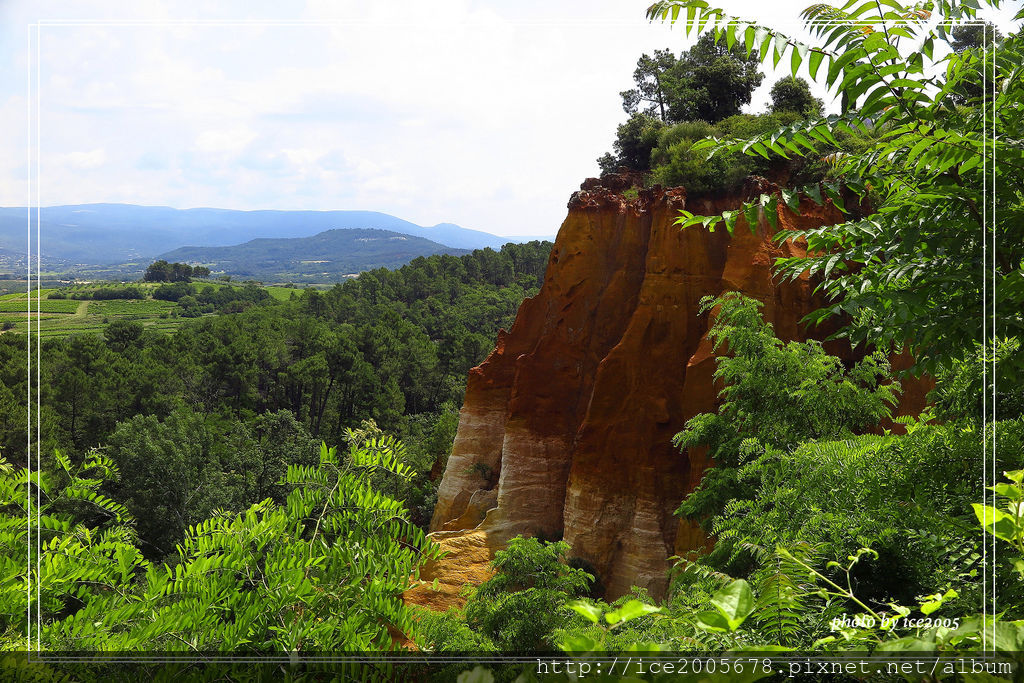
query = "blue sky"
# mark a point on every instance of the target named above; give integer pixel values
(485, 114)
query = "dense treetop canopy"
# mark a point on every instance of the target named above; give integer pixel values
(938, 227)
(794, 95)
(708, 82)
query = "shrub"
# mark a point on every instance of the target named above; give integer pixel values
(108, 293)
(321, 572)
(174, 291)
(519, 608)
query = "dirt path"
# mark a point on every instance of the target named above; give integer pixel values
(82, 308)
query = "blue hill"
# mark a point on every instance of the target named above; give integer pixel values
(115, 233)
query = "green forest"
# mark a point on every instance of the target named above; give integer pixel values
(261, 477)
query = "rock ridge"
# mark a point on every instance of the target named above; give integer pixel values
(566, 427)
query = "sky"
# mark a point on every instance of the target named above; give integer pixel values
(487, 114)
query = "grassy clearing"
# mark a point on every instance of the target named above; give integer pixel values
(124, 307)
(21, 317)
(64, 317)
(61, 329)
(57, 325)
(282, 293)
(43, 306)
(14, 296)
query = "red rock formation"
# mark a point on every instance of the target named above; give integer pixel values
(566, 428)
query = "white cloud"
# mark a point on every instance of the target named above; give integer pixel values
(224, 140)
(86, 160)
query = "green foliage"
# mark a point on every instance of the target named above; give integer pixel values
(79, 561)
(162, 271)
(714, 82)
(675, 164)
(799, 593)
(172, 475)
(975, 35)
(675, 161)
(789, 470)
(780, 394)
(652, 84)
(178, 471)
(709, 82)
(190, 306)
(1007, 522)
(260, 450)
(390, 346)
(448, 632)
(733, 604)
(222, 298)
(730, 606)
(108, 293)
(122, 335)
(324, 571)
(47, 305)
(794, 95)
(634, 141)
(174, 291)
(787, 612)
(530, 563)
(978, 38)
(519, 608)
(964, 388)
(913, 263)
(606, 621)
(908, 497)
(677, 156)
(878, 629)
(630, 623)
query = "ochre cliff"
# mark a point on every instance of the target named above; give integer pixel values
(567, 425)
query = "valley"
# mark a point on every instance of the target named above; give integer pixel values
(113, 240)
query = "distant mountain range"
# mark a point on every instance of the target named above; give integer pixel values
(325, 257)
(118, 233)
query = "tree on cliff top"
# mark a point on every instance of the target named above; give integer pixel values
(634, 141)
(709, 82)
(944, 227)
(651, 76)
(970, 36)
(706, 83)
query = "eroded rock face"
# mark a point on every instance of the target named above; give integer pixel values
(468, 563)
(566, 428)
